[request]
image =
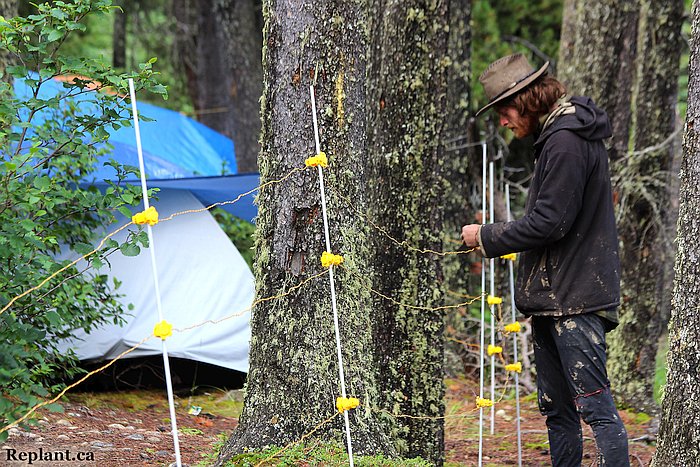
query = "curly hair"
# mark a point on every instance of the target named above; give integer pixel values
(536, 99)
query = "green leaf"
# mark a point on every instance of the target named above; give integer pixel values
(97, 262)
(54, 35)
(128, 249)
(83, 248)
(125, 211)
(53, 318)
(27, 224)
(42, 183)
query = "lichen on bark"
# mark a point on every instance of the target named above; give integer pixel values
(679, 431)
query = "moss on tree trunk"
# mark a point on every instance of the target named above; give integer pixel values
(679, 433)
(643, 186)
(407, 85)
(625, 55)
(293, 379)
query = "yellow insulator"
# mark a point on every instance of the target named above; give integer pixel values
(163, 330)
(346, 403)
(491, 300)
(149, 216)
(329, 259)
(319, 159)
(510, 256)
(512, 327)
(493, 349)
(517, 367)
(481, 402)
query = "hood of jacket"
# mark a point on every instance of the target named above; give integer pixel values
(589, 121)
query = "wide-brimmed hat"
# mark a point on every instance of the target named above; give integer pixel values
(506, 76)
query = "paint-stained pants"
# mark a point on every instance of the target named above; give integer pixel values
(572, 384)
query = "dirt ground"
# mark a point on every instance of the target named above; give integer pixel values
(105, 430)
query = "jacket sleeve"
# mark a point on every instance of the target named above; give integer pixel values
(558, 202)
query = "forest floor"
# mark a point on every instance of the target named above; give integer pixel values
(131, 428)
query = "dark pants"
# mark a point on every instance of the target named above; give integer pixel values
(572, 384)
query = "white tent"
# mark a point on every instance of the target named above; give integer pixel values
(202, 276)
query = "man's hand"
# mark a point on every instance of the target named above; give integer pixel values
(470, 235)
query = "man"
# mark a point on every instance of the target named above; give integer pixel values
(568, 272)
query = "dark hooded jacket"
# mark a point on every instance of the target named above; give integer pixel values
(569, 262)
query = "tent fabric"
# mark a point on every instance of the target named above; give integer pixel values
(202, 277)
(174, 145)
(211, 190)
(179, 152)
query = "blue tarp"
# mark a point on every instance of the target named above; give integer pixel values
(179, 153)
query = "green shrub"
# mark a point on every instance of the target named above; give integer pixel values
(48, 145)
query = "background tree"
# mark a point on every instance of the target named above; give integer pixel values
(406, 104)
(219, 44)
(461, 171)
(242, 32)
(625, 55)
(642, 181)
(679, 433)
(599, 60)
(293, 378)
(119, 33)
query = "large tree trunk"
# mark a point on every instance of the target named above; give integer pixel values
(407, 80)
(461, 171)
(625, 54)
(643, 186)
(567, 41)
(293, 379)
(679, 434)
(597, 59)
(219, 44)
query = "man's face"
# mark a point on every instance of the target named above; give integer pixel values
(520, 126)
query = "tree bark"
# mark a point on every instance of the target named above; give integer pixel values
(406, 97)
(567, 41)
(679, 433)
(462, 193)
(293, 379)
(642, 183)
(119, 35)
(625, 54)
(219, 44)
(241, 22)
(598, 59)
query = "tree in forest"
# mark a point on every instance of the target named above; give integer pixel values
(293, 380)
(460, 170)
(628, 61)
(679, 432)
(406, 100)
(381, 101)
(642, 182)
(220, 45)
(119, 33)
(597, 57)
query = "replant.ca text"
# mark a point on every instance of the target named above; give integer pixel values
(40, 455)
